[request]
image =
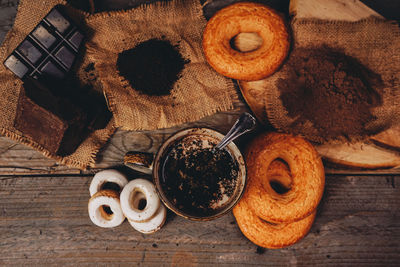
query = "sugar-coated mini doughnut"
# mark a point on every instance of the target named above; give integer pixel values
(106, 176)
(246, 18)
(97, 213)
(154, 223)
(129, 195)
(306, 170)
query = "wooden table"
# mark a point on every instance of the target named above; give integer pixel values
(43, 212)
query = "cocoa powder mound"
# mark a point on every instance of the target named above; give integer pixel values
(333, 91)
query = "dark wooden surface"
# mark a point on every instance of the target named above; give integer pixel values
(44, 221)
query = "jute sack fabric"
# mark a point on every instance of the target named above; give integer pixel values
(29, 14)
(199, 92)
(374, 42)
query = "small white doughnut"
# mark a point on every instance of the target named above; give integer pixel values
(97, 213)
(106, 176)
(155, 223)
(131, 192)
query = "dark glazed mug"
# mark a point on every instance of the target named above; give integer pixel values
(154, 164)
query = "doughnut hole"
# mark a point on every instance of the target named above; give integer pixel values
(106, 212)
(278, 187)
(279, 177)
(246, 42)
(111, 186)
(138, 201)
(142, 204)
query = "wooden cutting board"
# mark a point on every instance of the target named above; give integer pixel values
(383, 148)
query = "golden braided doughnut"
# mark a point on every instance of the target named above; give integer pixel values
(266, 234)
(246, 18)
(269, 235)
(307, 173)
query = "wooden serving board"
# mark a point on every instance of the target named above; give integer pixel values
(383, 148)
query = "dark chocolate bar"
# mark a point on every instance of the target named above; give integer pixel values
(50, 49)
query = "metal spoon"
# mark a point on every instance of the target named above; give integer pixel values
(244, 123)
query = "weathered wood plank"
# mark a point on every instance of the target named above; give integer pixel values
(43, 220)
(17, 159)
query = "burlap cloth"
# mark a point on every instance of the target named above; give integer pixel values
(199, 92)
(374, 42)
(29, 14)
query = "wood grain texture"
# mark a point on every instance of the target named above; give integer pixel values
(17, 159)
(43, 220)
(331, 10)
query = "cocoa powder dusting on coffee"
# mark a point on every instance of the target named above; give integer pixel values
(333, 91)
(196, 178)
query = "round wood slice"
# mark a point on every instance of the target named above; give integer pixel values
(359, 155)
(388, 138)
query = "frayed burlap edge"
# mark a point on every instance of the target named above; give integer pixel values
(95, 140)
(111, 99)
(278, 115)
(90, 162)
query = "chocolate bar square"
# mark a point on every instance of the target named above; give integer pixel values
(29, 51)
(44, 36)
(56, 19)
(76, 39)
(65, 56)
(16, 66)
(51, 70)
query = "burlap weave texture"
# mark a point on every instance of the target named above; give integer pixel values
(374, 42)
(29, 14)
(199, 92)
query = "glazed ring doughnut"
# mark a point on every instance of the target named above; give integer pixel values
(266, 234)
(107, 176)
(307, 171)
(131, 192)
(246, 18)
(155, 223)
(98, 214)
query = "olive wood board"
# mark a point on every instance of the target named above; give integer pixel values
(382, 151)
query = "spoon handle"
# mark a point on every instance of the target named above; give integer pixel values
(245, 123)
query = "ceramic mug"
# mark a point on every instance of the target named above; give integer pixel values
(155, 165)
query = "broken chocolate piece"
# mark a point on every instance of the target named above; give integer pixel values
(39, 124)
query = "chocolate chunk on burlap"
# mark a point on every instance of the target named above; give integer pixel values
(340, 82)
(40, 123)
(199, 91)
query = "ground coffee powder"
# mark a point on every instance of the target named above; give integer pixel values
(152, 67)
(332, 90)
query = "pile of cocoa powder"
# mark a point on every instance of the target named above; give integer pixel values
(333, 91)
